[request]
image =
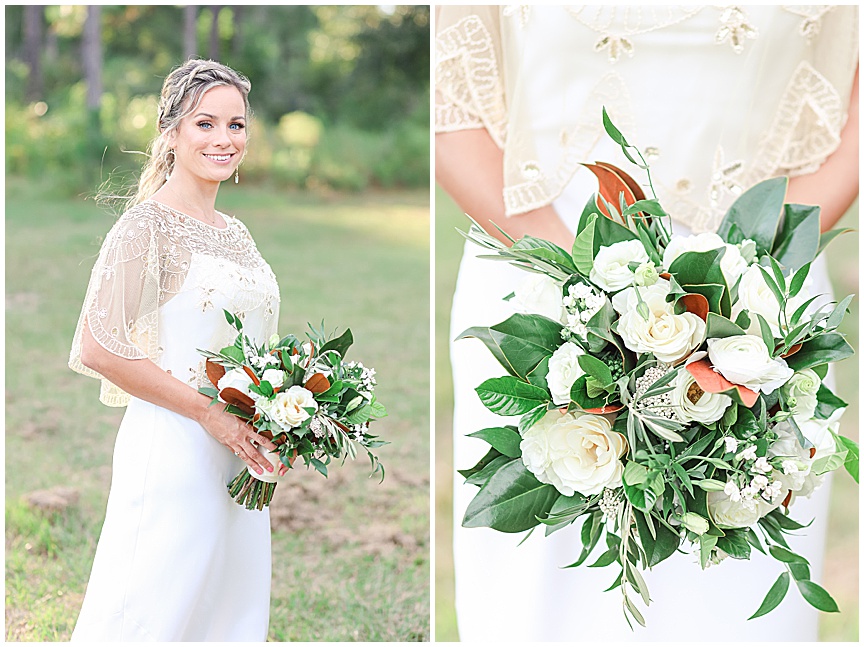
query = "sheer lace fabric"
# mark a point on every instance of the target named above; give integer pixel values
(145, 262)
(495, 66)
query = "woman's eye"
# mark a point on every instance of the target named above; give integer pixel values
(237, 126)
(205, 124)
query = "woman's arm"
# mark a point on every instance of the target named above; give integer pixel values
(143, 379)
(834, 186)
(470, 167)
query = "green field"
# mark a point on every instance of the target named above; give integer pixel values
(351, 557)
(841, 559)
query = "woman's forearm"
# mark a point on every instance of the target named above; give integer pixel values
(834, 186)
(470, 167)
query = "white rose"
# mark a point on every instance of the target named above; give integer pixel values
(627, 300)
(539, 294)
(727, 513)
(819, 433)
(288, 407)
(795, 459)
(274, 376)
(575, 452)
(732, 264)
(802, 388)
(236, 378)
(744, 360)
(564, 370)
(610, 269)
(668, 336)
(756, 297)
(692, 404)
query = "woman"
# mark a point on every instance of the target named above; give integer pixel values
(717, 100)
(177, 558)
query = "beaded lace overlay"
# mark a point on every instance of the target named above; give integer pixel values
(477, 86)
(145, 261)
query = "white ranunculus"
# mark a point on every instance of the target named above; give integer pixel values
(575, 452)
(288, 407)
(727, 513)
(692, 404)
(756, 297)
(236, 378)
(732, 264)
(539, 294)
(611, 271)
(668, 336)
(275, 376)
(745, 360)
(564, 370)
(802, 388)
(627, 300)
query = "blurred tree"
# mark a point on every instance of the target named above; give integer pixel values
(91, 53)
(190, 37)
(33, 17)
(213, 52)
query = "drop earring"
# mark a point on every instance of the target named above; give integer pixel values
(167, 164)
(237, 175)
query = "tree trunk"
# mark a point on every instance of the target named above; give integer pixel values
(237, 40)
(214, 32)
(190, 34)
(33, 50)
(91, 51)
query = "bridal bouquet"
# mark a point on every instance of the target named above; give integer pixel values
(303, 396)
(666, 390)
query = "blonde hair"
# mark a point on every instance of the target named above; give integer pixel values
(181, 93)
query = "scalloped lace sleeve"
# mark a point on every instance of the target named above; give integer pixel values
(121, 305)
(469, 89)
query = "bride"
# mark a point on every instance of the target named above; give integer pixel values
(177, 558)
(717, 100)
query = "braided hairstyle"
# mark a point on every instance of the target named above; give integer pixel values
(181, 93)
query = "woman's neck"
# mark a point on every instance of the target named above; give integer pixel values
(192, 196)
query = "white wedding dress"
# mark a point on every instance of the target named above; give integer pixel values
(717, 101)
(178, 559)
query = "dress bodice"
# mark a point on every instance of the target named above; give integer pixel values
(159, 288)
(717, 99)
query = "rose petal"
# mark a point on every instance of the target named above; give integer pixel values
(712, 382)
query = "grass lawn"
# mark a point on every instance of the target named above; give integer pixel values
(351, 557)
(840, 577)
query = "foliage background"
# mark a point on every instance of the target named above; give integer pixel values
(351, 557)
(840, 574)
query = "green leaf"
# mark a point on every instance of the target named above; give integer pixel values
(774, 597)
(697, 268)
(772, 285)
(838, 313)
(607, 232)
(480, 478)
(605, 559)
(510, 501)
(597, 369)
(784, 555)
(521, 342)
(340, 344)
(612, 131)
(543, 249)
(706, 544)
(579, 395)
(830, 347)
(491, 455)
(851, 463)
(765, 331)
(234, 353)
(828, 463)
(798, 236)
(583, 248)
(659, 547)
(828, 236)
(757, 212)
(734, 544)
(817, 596)
(510, 396)
(531, 418)
(505, 439)
(719, 327)
(798, 279)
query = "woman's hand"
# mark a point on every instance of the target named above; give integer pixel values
(239, 437)
(283, 469)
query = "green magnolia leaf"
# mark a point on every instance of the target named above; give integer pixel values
(579, 395)
(480, 478)
(659, 546)
(597, 369)
(698, 268)
(851, 463)
(774, 597)
(491, 455)
(510, 501)
(521, 342)
(715, 294)
(510, 396)
(531, 418)
(340, 344)
(735, 544)
(505, 439)
(830, 347)
(583, 248)
(798, 236)
(757, 212)
(608, 232)
(817, 596)
(719, 327)
(828, 236)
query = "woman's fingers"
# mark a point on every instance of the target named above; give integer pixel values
(258, 439)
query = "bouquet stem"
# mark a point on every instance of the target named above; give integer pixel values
(248, 491)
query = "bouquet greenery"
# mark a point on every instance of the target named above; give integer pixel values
(669, 390)
(303, 396)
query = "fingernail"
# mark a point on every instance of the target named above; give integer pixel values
(259, 470)
(269, 468)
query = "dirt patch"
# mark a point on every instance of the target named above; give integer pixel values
(56, 499)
